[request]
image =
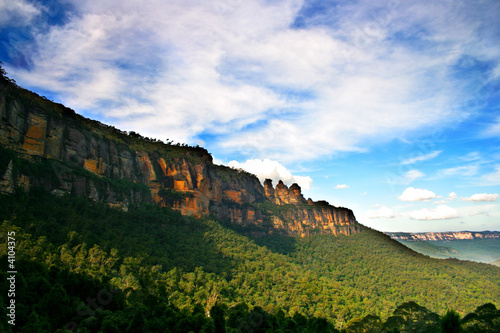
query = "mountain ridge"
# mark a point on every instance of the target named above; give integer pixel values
(445, 235)
(76, 155)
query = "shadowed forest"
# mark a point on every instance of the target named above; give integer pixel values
(85, 267)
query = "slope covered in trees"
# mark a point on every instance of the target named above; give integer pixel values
(106, 270)
(83, 266)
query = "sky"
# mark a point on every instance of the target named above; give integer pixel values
(390, 108)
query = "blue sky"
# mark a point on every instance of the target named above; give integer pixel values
(390, 108)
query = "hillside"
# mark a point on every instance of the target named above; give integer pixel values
(119, 233)
(151, 258)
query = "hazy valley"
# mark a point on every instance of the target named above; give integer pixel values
(476, 246)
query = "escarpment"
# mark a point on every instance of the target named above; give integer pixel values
(46, 145)
(305, 217)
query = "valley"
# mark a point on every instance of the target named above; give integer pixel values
(475, 246)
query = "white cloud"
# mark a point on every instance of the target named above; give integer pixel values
(341, 186)
(467, 170)
(441, 212)
(421, 158)
(239, 70)
(17, 12)
(217, 161)
(273, 170)
(452, 196)
(472, 156)
(413, 175)
(482, 197)
(405, 178)
(491, 179)
(494, 128)
(382, 212)
(486, 210)
(416, 194)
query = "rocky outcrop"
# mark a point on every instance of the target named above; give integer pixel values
(444, 236)
(75, 155)
(283, 195)
(305, 217)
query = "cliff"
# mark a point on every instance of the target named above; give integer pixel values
(46, 145)
(444, 236)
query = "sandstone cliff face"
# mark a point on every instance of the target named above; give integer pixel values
(305, 217)
(84, 157)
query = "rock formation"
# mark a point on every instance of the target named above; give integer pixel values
(75, 155)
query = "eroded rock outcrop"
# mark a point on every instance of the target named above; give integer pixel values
(305, 217)
(79, 156)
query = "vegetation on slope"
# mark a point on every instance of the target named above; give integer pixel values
(430, 249)
(161, 269)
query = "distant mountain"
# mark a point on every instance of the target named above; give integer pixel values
(444, 236)
(466, 245)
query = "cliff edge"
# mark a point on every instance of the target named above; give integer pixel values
(47, 145)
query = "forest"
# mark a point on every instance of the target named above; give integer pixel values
(85, 267)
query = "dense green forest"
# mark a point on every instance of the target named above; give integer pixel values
(85, 267)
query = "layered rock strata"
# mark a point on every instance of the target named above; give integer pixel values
(75, 155)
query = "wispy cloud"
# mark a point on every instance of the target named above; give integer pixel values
(441, 212)
(17, 13)
(381, 213)
(485, 210)
(406, 178)
(494, 128)
(472, 156)
(341, 187)
(491, 179)
(421, 158)
(466, 170)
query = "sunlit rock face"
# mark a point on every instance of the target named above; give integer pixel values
(84, 157)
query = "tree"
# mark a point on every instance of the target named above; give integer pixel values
(450, 322)
(369, 323)
(217, 313)
(3, 73)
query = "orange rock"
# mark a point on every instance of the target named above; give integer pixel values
(180, 185)
(163, 165)
(233, 195)
(95, 166)
(34, 142)
(147, 167)
(34, 139)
